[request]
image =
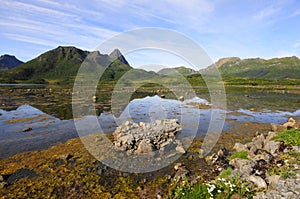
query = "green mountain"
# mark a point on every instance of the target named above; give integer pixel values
(61, 65)
(276, 68)
(176, 71)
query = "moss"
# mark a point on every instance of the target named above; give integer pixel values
(291, 136)
(240, 154)
(226, 173)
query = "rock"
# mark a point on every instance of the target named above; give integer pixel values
(258, 141)
(258, 181)
(290, 124)
(66, 156)
(272, 147)
(3, 185)
(177, 166)
(95, 98)
(277, 127)
(126, 140)
(296, 149)
(244, 167)
(273, 181)
(201, 153)
(181, 98)
(144, 147)
(27, 129)
(179, 147)
(162, 96)
(1, 178)
(181, 173)
(240, 147)
(146, 137)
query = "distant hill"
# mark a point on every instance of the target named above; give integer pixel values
(8, 62)
(276, 68)
(176, 71)
(62, 63)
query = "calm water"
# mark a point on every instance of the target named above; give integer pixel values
(28, 128)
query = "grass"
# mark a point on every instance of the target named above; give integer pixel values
(241, 155)
(226, 173)
(288, 170)
(221, 188)
(291, 136)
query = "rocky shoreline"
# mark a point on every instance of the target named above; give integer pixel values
(265, 163)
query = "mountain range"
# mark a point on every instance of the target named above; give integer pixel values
(61, 65)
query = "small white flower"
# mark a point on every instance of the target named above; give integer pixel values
(219, 191)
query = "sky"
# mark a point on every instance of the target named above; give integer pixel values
(223, 28)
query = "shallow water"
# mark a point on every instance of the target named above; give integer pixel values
(28, 128)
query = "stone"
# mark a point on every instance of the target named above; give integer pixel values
(179, 148)
(1, 178)
(277, 127)
(240, 147)
(126, 139)
(296, 149)
(27, 129)
(244, 167)
(3, 185)
(144, 147)
(272, 147)
(160, 133)
(177, 166)
(258, 181)
(181, 173)
(66, 156)
(201, 153)
(258, 141)
(290, 123)
(273, 181)
(181, 98)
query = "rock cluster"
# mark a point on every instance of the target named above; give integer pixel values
(145, 138)
(263, 154)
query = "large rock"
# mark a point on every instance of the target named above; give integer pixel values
(277, 127)
(244, 167)
(258, 141)
(290, 123)
(145, 147)
(272, 147)
(143, 138)
(258, 181)
(240, 147)
(273, 181)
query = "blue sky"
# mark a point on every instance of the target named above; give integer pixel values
(223, 28)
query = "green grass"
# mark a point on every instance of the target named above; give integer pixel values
(291, 136)
(226, 173)
(241, 155)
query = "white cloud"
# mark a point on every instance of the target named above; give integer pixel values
(30, 39)
(266, 12)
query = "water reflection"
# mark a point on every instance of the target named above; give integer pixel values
(28, 128)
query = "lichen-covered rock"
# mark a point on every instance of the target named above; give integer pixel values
(240, 147)
(144, 138)
(144, 147)
(244, 167)
(273, 181)
(258, 181)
